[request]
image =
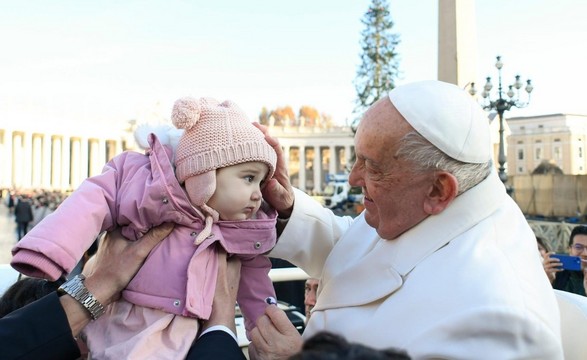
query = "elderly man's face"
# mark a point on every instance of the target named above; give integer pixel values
(394, 194)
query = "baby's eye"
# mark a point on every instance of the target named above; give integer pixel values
(249, 178)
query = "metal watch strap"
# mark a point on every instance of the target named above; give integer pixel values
(76, 289)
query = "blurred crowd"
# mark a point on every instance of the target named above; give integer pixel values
(29, 207)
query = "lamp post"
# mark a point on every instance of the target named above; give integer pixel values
(501, 104)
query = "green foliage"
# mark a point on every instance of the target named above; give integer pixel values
(379, 61)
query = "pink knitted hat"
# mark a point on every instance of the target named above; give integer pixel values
(216, 135)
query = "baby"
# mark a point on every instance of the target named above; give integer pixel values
(212, 194)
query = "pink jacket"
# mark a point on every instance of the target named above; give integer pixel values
(138, 191)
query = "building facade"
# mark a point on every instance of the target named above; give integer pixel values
(557, 138)
(314, 153)
(55, 158)
(60, 159)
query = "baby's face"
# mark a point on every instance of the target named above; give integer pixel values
(238, 190)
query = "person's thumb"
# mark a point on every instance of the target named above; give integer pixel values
(279, 319)
(155, 236)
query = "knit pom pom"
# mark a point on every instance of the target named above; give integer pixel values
(186, 112)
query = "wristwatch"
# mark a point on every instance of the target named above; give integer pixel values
(76, 289)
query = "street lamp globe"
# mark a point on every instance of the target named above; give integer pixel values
(500, 103)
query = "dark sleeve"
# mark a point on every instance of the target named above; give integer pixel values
(39, 330)
(216, 345)
(561, 279)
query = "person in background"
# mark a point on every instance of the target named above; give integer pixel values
(310, 293)
(10, 202)
(25, 291)
(23, 215)
(40, 209)
(568, 280)
(441, 263)
(28, 290)
(543, 247)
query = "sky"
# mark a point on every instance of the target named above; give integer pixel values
(108, 62)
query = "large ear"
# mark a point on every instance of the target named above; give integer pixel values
(442, 192)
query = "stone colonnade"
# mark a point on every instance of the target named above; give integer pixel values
(32, 159)
(313, 153)
(59, 161)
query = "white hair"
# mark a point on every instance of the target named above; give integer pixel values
(425, 157)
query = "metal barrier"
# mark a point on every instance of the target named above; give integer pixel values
(556, 234)
(287, 274)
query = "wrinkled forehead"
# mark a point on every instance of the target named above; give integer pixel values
(382, 127)
(383, 118)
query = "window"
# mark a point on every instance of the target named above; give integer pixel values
(538, 153)
(557, 152)
(520, 154)
(580, 150)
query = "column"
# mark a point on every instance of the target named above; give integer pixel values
(107, 149)
(65, 183)
(457, 42)
(97, 156)
(92, 154)
(84, 158)
(302, 170)
(27, 163)
(56, 161)
(37, 161)
(17, 160)
(6, 155)
(332, 160)
(317, 170)
(102, 152)
(75, 162)
(348, 156)
(46, 163)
